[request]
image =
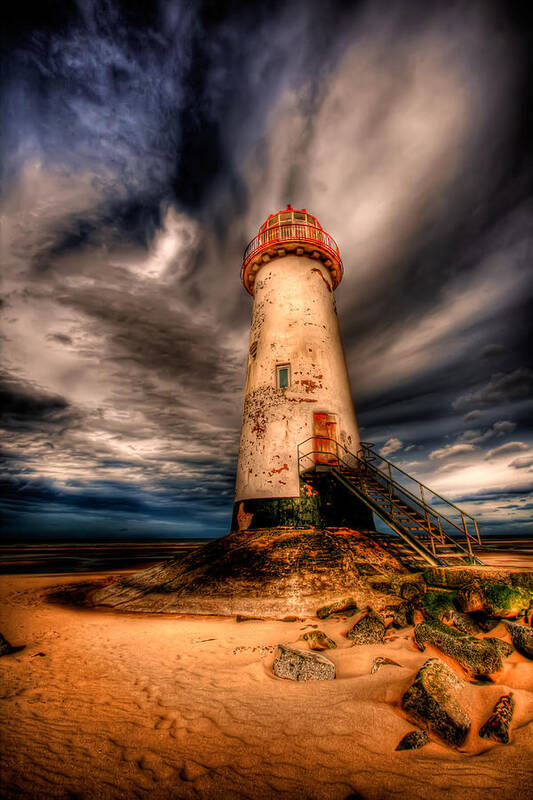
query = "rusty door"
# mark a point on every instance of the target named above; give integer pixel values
(325, 432)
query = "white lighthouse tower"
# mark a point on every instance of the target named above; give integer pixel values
(297, 385)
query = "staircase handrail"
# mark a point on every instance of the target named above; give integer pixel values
(420, 501)
(369, 445)
(429, 510)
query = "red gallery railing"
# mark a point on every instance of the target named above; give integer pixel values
(290, 233)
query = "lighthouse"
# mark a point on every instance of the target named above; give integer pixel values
(302, 532)
(298, 406)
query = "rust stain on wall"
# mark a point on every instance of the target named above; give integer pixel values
(328, 287)
(285, 466)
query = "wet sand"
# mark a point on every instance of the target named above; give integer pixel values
(106, 705)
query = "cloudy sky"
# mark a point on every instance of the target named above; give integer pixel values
(141, 149)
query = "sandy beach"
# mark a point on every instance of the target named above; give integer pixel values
(107, 705)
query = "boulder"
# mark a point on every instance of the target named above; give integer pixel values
(494, 598)
(347, 604)
(370, 629)
(480, 657)
(318, 640)
(522, 638)
(301, 665)
(497, 725)
(413, 740)
(429, 702)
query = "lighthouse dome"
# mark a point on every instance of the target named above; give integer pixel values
(291, 231)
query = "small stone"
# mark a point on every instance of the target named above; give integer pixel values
(347, 604)
(486, 624)
(5, 647)
(402, 615)
(301, 665)
(243, 618)
(411, 591)
(318, 640)
(478, 656)
(370, 629)
(497, 725)
(522, 638)
(464, 623)
(291, 619)
(429, 702)
(414, 740)
(381, 661)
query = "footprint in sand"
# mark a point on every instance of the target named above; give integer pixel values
(192, 770)
(162, 723)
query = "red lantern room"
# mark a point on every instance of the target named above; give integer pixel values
(290, 232)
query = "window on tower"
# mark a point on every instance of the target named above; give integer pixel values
(283, 376)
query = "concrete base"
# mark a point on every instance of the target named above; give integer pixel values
(273, 572)
(324, 503)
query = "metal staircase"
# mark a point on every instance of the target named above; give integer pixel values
(437, 532)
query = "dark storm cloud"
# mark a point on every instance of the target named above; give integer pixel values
(142, 147)
(21, 403)
(500, 389)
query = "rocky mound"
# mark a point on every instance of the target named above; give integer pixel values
(268, 572)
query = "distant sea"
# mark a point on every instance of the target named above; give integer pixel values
(60, 558)
(65, 557)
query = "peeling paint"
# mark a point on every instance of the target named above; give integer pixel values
(294, 323)
(310, 385)
(244, 519)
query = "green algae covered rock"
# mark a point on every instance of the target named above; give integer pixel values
(437, 604)
(318, 640)
(480, 657)
(497, 725)
(502, 600)
(430, 702)
(494, 598)
(455, 577)
(346, 604)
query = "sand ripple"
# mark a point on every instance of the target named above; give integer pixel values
(133, 706)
